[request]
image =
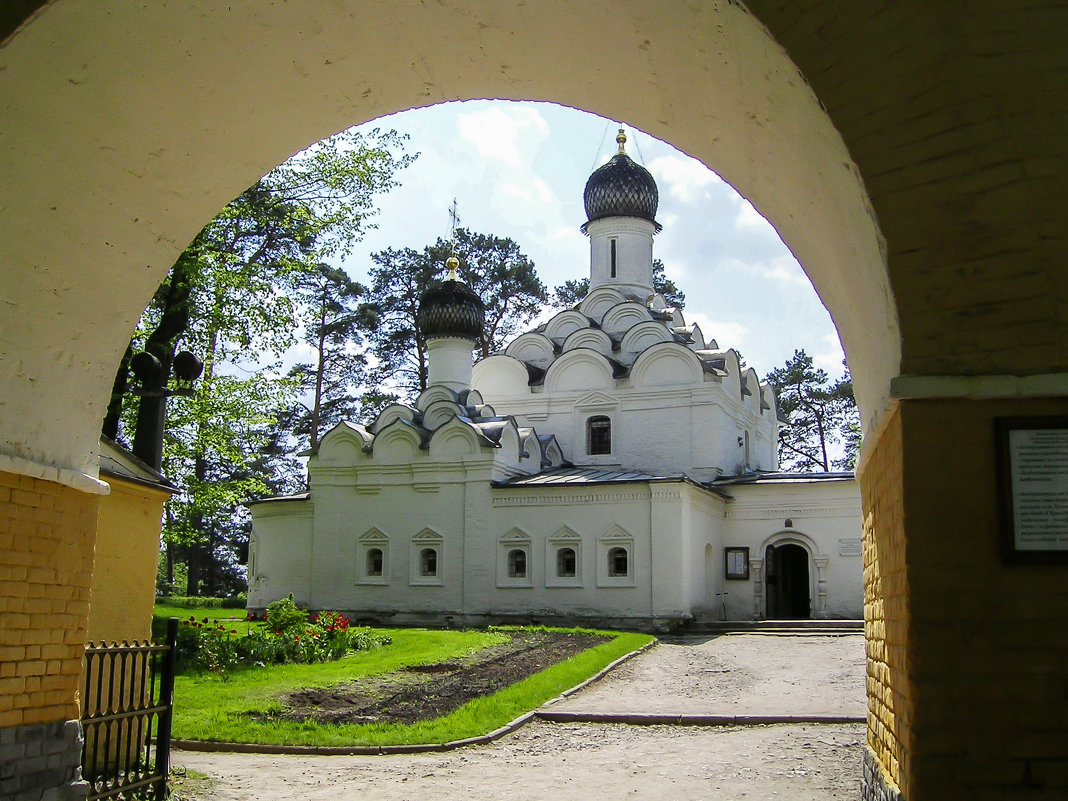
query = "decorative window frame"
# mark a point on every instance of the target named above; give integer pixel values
(615, 537)
(596, 404)
(564, 538)
(514, 540)
(427, 538)
(372, 538)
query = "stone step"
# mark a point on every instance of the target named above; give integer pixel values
(773, 627)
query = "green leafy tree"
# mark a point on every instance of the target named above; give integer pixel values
(493, 266)
(822, 417)
(570, 293)
(233, 298)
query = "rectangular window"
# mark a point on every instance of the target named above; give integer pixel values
(612, 247)
(599, 436)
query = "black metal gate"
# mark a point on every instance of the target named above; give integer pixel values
(126, 720)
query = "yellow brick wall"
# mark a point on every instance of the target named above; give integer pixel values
(47, 533)
(127, 555)
(886, 605)
(988, 656)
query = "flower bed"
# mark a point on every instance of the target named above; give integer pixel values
(289, 634)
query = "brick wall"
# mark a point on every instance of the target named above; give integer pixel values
(886, 613)
(47, 532)
(988, 642)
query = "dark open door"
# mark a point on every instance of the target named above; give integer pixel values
(787, 582)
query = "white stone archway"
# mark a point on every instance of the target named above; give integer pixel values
(122, 143)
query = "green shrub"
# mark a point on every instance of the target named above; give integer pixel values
(285, 616)
(288, 635)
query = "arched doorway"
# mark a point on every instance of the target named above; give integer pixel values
(788, 594)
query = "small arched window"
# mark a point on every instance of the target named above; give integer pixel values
(618, 563)
(599, 435)
(517, 564)
(428, 562)
(566, 563)
(374, 562)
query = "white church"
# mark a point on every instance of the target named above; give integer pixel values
(611, 467)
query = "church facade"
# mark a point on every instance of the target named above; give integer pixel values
(611, 467)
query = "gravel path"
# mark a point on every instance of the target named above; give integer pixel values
(560, 762)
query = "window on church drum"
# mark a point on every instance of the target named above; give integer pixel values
(617, 562)
(566, 563)
(517, 564)
(612, 247)
(428, 562)
(374, 562)
(598, 435)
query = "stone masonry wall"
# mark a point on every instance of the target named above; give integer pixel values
(886, 616)
(988, 651)
(47, 534)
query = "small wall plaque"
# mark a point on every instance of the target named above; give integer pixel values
(737, 563)
(1032, 462)
(852, 546)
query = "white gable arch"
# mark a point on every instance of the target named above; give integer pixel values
(751, 391)
(564, 323)
(592, 338)
(397, 443)
(578, 370)
(433, 394)
(501, 376)
(623, 316)
(533, 347)
(667, 364)
(395, 411)
(643, 335)
(440, 412)
(454, 440)
(599, 301)
(344, 444)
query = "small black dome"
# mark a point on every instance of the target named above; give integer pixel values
(621, 188)
(450, 308)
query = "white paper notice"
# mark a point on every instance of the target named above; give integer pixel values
(1039, 459)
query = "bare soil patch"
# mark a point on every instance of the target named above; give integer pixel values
(425, 692)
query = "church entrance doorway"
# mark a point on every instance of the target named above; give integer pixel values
(787, 582)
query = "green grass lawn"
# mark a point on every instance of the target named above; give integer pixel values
(210, 707)
(234, 618)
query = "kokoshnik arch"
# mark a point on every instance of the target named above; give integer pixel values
(911, 157)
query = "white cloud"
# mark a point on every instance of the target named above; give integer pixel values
(830, 356)
(683, 177)
(781, 270)
(749, 217)
(504, 132)
(727, 334)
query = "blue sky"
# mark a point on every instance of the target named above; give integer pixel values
(518, 170)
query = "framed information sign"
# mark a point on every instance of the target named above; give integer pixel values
(737, 563)
(1032, 454)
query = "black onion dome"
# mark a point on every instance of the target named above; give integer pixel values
(451, 309)
(621, 188)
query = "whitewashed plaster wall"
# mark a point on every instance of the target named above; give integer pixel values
(280, 552)
(825, 518)
(592, 518)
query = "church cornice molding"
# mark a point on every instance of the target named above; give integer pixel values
(793, 510)
(300, 509)
(568, 498)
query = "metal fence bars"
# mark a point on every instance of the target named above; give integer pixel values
(126, 718)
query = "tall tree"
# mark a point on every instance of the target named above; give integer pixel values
(493, 266)
(333, 315)
(231, 298)
(570, 293)
(822, 417)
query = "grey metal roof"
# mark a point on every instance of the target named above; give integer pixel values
(586, 475)
(782, 478)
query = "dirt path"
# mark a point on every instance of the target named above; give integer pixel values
(557, 762)
(738, 674)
